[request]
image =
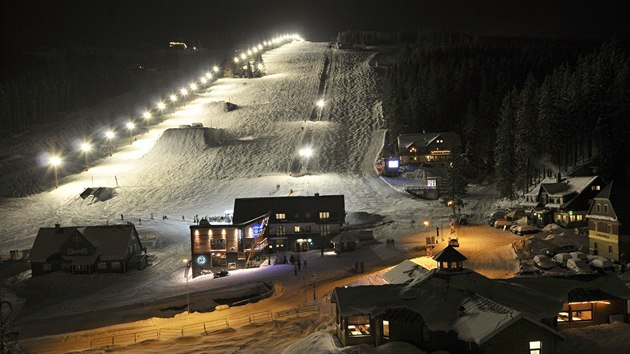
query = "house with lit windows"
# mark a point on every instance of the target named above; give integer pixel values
(227, 246)
(415, 149)
(609, 223)
(87, 249)
(458, 310)
(296, 223)
(564, 201)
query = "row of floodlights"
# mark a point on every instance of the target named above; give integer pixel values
(86, 147)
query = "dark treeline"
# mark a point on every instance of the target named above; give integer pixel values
(561, 96)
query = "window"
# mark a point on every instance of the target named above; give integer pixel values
(610, 249)
(307, 215)
(47, 267)
(576, 312)
(217, 244)
(385, 328)
(281, 231)
(579, 217)
(535, 347)
(281, 216)
(116, 265)
(324, 215)
(324, 230)
(358, 326)
(605, 208)
(101, 265)
(598, 208)
(595, 188)
(609, 228)
(296, 229)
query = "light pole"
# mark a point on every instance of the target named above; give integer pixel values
(306, 152)
(313, 283)
(86, 147)
(147, 116)
(186, 270)
(161, 106)
(130, 127)
(110, 135)
(54, 162)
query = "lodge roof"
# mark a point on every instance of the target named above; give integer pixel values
(425, 139)
(449, 254)
(246, 209)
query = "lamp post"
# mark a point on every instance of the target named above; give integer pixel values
(147, 116)
(54, 162)
(130, 127)
(306, 152)
(313, 283)
(161, 106)
(186, 271)
(86, 147)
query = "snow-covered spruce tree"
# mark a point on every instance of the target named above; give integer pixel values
(505, 156)
(525, 134)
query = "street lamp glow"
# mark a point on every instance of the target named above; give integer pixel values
(260, 66)
(86, 147)
(203, 80)
(54, 162)
(249, 52)
(193, 86)
(243, 56)
(173, 98)
(260, 47)
(306, 152)
(215, 69)
(255, 49)
(183, 91)
(130, 125)
(321, 103)
(146, 115)
(161, 105)
(110, 135)
(236, 60)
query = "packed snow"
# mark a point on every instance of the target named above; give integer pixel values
(177, 171)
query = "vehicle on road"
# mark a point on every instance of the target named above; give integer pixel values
(578, 266)
(525, 230)
(601, 264)
(502, 223)
(543, 262)
(579, 255)
(498, 214)
(561, 259)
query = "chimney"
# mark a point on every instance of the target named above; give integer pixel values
(559, 177)
(58, 228)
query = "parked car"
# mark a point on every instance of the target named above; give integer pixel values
(502, 223)
(579, 255)
(513, 228)
(543, 262)
(525, 229)
(494, 216)
(462, 220)
(564, 248)
(578, 266)
(527, 267)
(601, 264)
(453, 241)
(561, 259)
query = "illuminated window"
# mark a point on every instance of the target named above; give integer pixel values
(281, 230)
(576, 312)
(324, 215)
(572, 217)
(324, 230)
(579, 217)
(358, 326)
(609, 227)
(535, 347)
(281, 216)
(296, 229)
(595, 188)
(385, 328)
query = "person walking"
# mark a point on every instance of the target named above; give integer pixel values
(299, 265)
(304, 263)
(140, 221)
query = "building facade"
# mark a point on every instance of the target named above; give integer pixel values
(296, 223)
(428, 147)
(608, 223)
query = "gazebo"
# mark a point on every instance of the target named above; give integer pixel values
(449, 259)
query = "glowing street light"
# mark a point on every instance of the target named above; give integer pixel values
(236, 59)
(109, 135)
(130, 126)
(321, 103)
(243, 56)
(54, 162)
(173, 98)
(215, 69)
(186, 271)
(161, 105)
(306, 152)
(147, 116)
(86, 148)
(193, 86)
(203, 80)
(183, 91)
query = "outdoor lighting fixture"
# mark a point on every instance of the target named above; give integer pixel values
(255, 50)
(183, 91)
(426, 223)
(173, 98)
(215, 69)
(249, 52)
(306, 152)
(320, 103)
(236, 59)
(260, 47)
(110, 135)
(208, 75)
(130, 127)
(260, 66)
(243, 56)
(146, 115)
(203, 80)
(193, 86)
(86, 147)
(161, 105)
(54, 162)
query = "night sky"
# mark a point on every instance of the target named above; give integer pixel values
(59, 23)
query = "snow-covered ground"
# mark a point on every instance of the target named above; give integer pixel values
(247, 152)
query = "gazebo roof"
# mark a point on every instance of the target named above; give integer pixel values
(449, 254)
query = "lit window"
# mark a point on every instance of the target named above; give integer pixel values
(609, 228)
(296, 229)
(579, 217)
(324, 215)
(281, 230)
(535, 347)
(359, 326)
(576, 312)
(596, 188)
(385, 328)
(324, 230)
(281, 216)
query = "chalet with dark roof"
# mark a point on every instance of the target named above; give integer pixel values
(87, 249)
(428, 147)
(455, 309)
(296, 223)
(609, 223)
(564, 201)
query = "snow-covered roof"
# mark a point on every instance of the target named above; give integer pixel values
(48, 242)
(246, 209)
(404, 272)
(406, 140)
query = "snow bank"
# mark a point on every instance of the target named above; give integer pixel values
(362, 218)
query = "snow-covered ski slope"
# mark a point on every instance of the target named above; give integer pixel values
(246, 152)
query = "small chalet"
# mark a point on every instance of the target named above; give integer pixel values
(609, 223)
(564, 201)
(227, 246)
(87, 249)
(455, 309)
(428, 147)
(295, 223)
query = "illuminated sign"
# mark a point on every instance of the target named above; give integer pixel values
(201, 260)
(257, 229)
(431, 183)
(440, 152)
(393, 164)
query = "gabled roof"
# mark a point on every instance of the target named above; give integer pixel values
(246, 209)
(111, 241)
(556, 188)
(617, 194)
(406, 140)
